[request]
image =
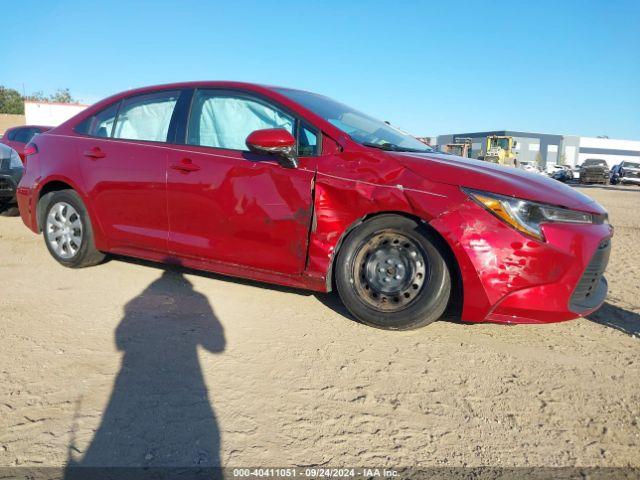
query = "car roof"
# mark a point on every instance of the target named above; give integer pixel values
(199, 83)
(267, 90)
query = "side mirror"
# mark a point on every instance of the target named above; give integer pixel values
(274, 141)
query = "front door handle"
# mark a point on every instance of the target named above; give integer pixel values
(94, 153)
(186, 166)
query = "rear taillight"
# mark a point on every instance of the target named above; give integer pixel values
(30, 149)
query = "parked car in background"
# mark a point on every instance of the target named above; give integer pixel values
(11, 170)
(552, 168)
(563, 175)
(626, 172)
(290, 187)
(594, 170)
(18, 137)
(529, 166)
(575, 171)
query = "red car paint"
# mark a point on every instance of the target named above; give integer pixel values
(16, 144)
(217, 210)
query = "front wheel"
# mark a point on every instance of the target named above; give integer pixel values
(67, 231)
(391, 273)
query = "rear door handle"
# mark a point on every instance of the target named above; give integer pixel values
(186, 166)
(94, 153)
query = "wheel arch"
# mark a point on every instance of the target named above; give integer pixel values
(52, 185)
(454, 308)
(56, 184)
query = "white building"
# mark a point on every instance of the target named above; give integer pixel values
(50, 113)
(612, 150)
(546, 149)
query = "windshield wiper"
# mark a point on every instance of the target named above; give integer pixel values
(392, 147)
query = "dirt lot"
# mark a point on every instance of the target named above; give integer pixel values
(130, 364)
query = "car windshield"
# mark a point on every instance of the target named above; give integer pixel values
(360, 127)
(593, 162)
(630, 165)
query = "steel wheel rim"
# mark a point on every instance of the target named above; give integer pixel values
(389, 271)
(64, 230)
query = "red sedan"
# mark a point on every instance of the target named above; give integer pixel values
(289, 187)
(18, 137)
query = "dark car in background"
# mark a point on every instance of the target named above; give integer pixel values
(11, 170)
(563, 175)
(626, 172)
(18, 137)
(594, 170)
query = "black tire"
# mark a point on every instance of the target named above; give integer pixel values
(9, 210)
(85, 254)
(421, 307)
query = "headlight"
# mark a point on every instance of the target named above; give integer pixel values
(14, 160)
(526, 216)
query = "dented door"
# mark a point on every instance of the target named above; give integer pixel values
(238, 207)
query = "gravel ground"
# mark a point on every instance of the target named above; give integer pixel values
(131, 364)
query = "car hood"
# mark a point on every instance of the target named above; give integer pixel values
(481, 175)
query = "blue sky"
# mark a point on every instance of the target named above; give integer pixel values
(559, 66)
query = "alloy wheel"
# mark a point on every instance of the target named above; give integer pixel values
(64, 230)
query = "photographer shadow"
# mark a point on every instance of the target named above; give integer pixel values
(159, 417)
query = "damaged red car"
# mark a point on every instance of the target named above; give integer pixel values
(290, 187)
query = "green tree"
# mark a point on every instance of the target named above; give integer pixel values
(36, 97)
(62, 95)
(11, 101)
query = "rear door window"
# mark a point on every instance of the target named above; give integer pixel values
(146, 117)
(100, 124)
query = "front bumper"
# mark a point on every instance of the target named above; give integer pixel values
(510, 278)
(593, 178)
(592, 287)
(633, 180)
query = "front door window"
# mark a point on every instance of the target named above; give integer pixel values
(225, 121)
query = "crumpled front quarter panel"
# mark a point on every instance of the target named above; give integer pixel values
(350, 187)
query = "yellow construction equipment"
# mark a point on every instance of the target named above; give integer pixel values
(500, 149)
(461, 147)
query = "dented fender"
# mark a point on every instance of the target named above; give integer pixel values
(341, 203)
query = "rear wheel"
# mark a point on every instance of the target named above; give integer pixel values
(67, 231)
(391, 274)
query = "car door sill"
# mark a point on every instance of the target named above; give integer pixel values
(303, 281)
